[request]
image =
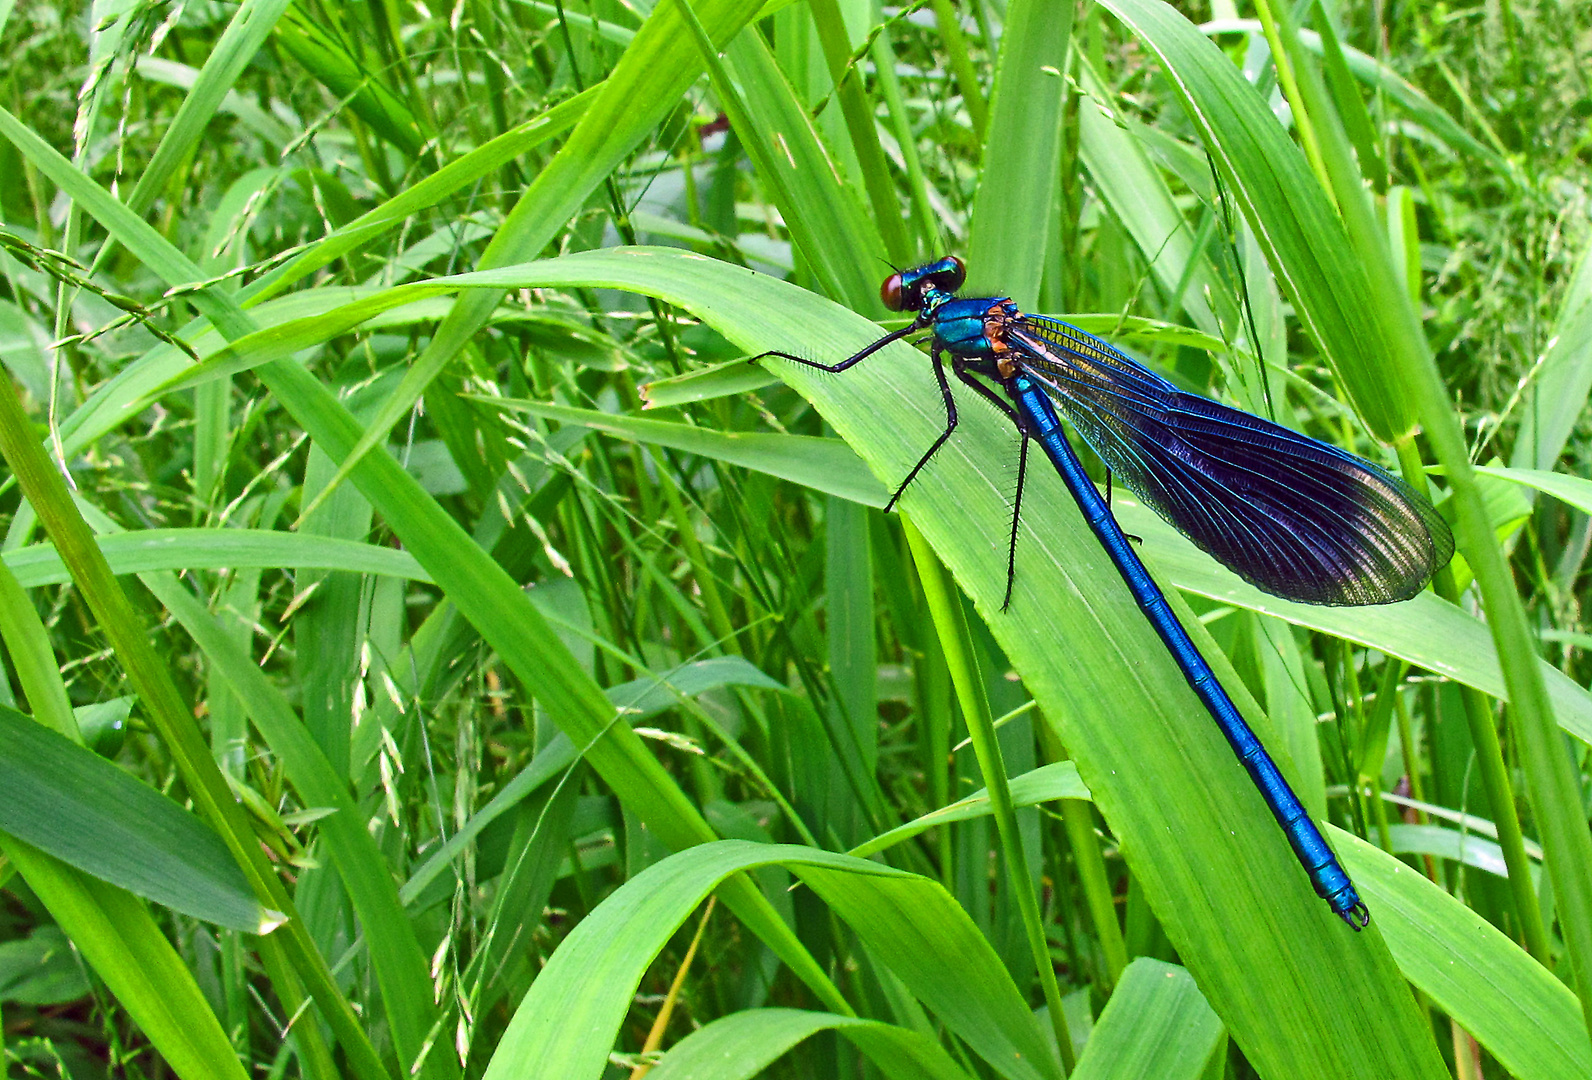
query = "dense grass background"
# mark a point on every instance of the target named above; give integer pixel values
(385, 694)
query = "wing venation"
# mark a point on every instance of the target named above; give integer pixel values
(1291, 515)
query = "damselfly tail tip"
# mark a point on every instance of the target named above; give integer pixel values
(1358, 917)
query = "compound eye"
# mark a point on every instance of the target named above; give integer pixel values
(951, 280)
(891, 293)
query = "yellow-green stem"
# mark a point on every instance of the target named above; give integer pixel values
(950, 622)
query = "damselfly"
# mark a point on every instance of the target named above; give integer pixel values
(1293, 516)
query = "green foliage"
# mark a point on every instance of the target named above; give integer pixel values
(330, 329)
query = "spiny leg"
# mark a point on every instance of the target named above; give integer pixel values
(950, 426)
(1017, 516)
(894, 335)
(1022, 470)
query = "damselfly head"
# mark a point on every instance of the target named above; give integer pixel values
(905, 290)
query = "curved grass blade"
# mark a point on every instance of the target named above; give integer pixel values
(743, 1044)
(1156, 1024)
(1516, 1008)
(66, 800)
(1304, 241)
(565, 1026)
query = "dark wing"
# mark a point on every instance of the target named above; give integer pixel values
(1293, 516)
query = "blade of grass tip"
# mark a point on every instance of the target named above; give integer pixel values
(950, 622)
(646, 84)
(1402, 327)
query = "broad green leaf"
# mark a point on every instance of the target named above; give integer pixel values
(743, 1044)
(1517, 1009)
(124, 946)
(1156, 1024)
(68, 801)
(567, 1023)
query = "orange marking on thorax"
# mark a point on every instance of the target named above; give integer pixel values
(996, 322)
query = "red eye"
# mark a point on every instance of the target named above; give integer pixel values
(890, 293)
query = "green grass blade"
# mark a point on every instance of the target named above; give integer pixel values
(124, 946)
(1132, 186)
(366, 91)
(217, 549)
(858, 113)
(1058, 780)
(565, 1026)
(1156, 1024)
(1304, 241)
(1525, 1017)
(1006, 246)
(451, 178)
(743, 1044)
(69, 802)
